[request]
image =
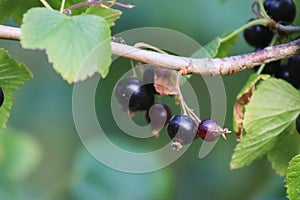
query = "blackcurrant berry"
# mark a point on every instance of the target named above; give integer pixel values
(258, 36)
(294, 69)
(158, 115)
(182, 130)
(131, 94)
(209, 130)
(298, 123)
(148, 79)
(272, 68)
(1, 97)
(281, 10)
(285, 75)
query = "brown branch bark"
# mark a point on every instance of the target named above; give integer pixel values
(204, 66)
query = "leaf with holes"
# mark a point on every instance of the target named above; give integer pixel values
(78, 46)
(12, 76)
(274, 106)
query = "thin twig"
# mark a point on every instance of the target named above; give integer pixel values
(63, 2)
(100, 3)
(46, 4)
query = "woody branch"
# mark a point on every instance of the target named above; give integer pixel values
(203, 66)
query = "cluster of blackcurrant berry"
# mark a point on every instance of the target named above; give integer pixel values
(139, 95)
(258, 36)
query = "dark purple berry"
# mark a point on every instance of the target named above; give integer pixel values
(298, 123)
(285, 75)
(281, 10)
(209, 130)
(272, 68)
(132, 95)
(294, 69)
(158, 115)
(1, 97)
(182, 130)
(258, 36)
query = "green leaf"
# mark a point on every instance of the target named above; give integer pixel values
(19, 155)
(243, 99)
(284, 150)
(109, 14)
(77, 46)
(218, 48)
(275, 104)
(12, 76)
(293, 178)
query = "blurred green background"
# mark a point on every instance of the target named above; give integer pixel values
(42, 157)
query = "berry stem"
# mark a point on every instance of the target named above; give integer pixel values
(287, 29)
(46, 4)
(262, 9)
(180, 97)
(100, 3)
(63, 2)
(133, 68)
(186, 109)
(242, 28)
(262, 66)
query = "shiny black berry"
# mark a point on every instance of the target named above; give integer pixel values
(182, 130)
(294, 69)
(133, 95)
(298, 123)
(281, 10)
(209, 130)
(158, 115)
(258, 36)
(1, 97)
(272, 68)
(286, 75)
